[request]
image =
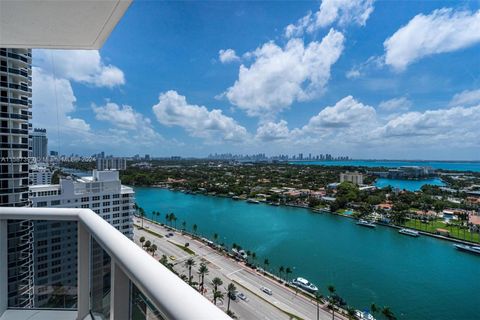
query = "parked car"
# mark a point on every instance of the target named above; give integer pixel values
(266, 290)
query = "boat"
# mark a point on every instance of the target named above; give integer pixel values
(467, 248)
(409, 232)
(366, 223)
(304, 284)
(253, 201)
(363, 315)
(236, 198)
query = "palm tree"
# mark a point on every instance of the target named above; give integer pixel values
(254, 257)
(184, 225)
(216, 282)
(265, 264)
(387, 313)
(331, 300)
(215, 237)
(280, 271)
(318, 299)
(141, 212)
(373, 309)
(158, 216)
(202, 271)
(142, 240)
(167, 217)
(153, 248)
(287, 271)
(231, 291)
(189, 264)
(217, 295)
(163, 260)
(195, 227)
(147, 244)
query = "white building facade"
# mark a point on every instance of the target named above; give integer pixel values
(40, 175)
(353, 177)
(55, 251)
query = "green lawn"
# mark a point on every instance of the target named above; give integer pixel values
(455, 231)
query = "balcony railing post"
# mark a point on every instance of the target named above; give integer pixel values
(83, 269)
(3, 267)
(120, 294)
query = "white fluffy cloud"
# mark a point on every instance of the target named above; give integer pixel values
(395, 104)
(466, 98)
(173, 110)
(342, 12)
(53, 101)
(227, 56)
(444, 30)
(84, 66)
(126, 118)
(457, 125)
(279, 76)
(346, 113)
(272, 131)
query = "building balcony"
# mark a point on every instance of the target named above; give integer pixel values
(135, 280)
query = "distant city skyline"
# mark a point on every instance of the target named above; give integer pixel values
(371, 79)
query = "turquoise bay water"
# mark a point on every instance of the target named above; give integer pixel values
(410, 185)
(419, 278)
(446, 165)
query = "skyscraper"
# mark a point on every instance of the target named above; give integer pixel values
(15, 105)
(39, 144)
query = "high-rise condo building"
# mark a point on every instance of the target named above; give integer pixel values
(111, 163)
(55, 252)
(39, 144)
(15, 105)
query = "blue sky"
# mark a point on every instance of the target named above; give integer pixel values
(364, 78)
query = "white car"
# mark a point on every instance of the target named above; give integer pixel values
(266, 290)
(242, 296)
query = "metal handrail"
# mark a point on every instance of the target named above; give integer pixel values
(173, 298)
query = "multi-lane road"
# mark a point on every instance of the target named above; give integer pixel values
(284, 303)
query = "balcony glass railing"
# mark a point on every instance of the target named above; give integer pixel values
(114, 278)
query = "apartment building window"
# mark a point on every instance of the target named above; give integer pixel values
(106, 197)
(85, 206)
(126, 207)
(106, 203)
(97, 211)
(116, 221)
(116, 196)
(85, 199)
(95, 198)
(125, 214)
(55, 202)
(116, 215)
(125, 220)
(115, 202)
(126, 226)
(42, 204)
(116, 208)
(106, 217)
(96, 205)
(125, 195)
(106, 210)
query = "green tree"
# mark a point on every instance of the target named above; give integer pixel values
(216, 282)
(217, 295)
(147, 244)
(153, 248)
(281, 270)
(265, 264)
(332, 300)
(387, 313)
(142, 240)
(189, 264)
(231, 291)
(202, 271)
(184, 225)
(287, 272)
(195, 228)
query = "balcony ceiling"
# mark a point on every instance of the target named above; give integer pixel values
(66, 24)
